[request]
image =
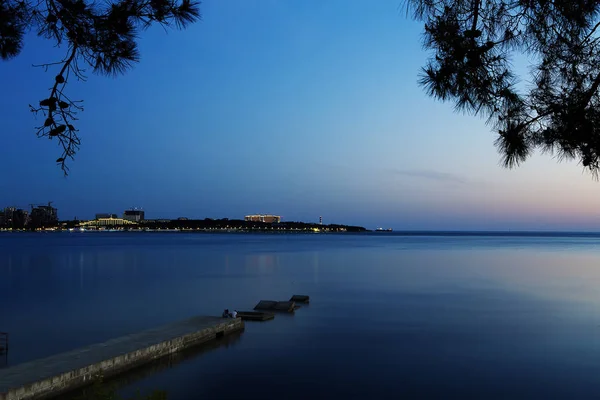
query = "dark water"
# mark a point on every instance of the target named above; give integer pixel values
(390, 316)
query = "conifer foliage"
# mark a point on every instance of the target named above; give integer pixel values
(97, 36)
(553, 107)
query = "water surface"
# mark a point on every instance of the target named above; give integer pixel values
(434, 316)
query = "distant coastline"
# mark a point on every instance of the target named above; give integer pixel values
(223, 225)
(303, 228)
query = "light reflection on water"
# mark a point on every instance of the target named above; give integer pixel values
(390, 315)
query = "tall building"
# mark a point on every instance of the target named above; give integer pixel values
(320, 220)
(7, 216)
(263, 218)
(42, 216)
(20, 219)
(134, 215)
(14, 218)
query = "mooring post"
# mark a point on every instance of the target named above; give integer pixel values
(4, 348)
(3, 342)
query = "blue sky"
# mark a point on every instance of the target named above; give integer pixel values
(297, 108)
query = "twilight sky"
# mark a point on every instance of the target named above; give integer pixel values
(297, 108)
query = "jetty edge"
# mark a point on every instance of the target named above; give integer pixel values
(64, 372)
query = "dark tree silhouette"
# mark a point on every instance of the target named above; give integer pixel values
(556, 109)
(99, 35)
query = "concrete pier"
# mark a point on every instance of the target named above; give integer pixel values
(51, 376)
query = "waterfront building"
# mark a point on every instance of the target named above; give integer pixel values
(263, 218)
(20, 219)
(14, 218)
(107, 222)
(44, 216)
(134, 215)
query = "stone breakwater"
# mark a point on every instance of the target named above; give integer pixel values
(51, 376)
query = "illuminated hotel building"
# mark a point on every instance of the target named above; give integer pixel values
(263, 218)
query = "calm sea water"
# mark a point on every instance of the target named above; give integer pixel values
(390, 316)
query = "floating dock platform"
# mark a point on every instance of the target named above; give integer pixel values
(285, 306)
(255, 316)
(300, 298)
(52, 376)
